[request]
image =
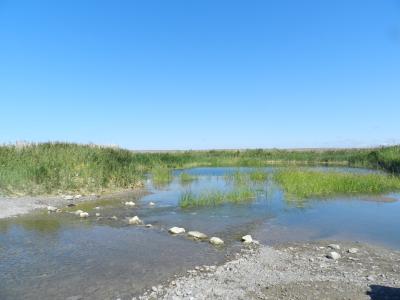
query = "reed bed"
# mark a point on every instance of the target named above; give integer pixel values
(304, 184)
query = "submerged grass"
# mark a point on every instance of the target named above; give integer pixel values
(213, 198)
(54, 168)
(186, 177)
(161, 175)
(303, 184)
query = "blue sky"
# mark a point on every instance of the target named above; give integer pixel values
(201, 74)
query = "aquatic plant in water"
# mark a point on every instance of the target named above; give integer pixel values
(309, 183)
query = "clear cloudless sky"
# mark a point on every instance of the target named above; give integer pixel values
(201, 74)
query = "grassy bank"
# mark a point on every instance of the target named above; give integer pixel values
(305, 184)
(53, 168)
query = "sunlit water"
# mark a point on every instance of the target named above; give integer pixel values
(56, 256)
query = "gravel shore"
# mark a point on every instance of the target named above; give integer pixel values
(14, 206)
(293, 271)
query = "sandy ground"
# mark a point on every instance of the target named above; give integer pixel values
(293, 271)
(14, 206)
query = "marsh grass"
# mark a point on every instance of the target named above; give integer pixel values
(214, 198)
(56, 168)
(302, 184)
(161, 176)
(186, 177)
(258, 176)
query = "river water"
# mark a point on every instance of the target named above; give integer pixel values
(56, 256)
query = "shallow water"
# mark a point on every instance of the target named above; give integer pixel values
(56, 256)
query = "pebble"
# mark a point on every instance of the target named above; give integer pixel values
(51, 208)
(334, 246)
(130, 203)
(68, 197)
(78, 212)
(247, 239)
(149, 225)
(333, 255)
(216, 241)
(352, 250)
(97, 214)
(84, 214)
(77, 196)
(134, 221)
(197, 235)
(152, 203)
(176, 230)
(370, 278)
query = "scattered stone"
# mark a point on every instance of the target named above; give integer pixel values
(352, 250)
(334, 246)
(154, 289)
(68, 197)
(78, 212)
(216, 241)
(77, 196)
(71, 205)
(51, 209)
(176, 230)
(149, 225)
(130, 203)
(152, 204)
(97, 207)
(97, 214)
(135, 221)
(370, 278)
(247, 239)
(84, 214)
(333, 255)
(197, 235)
(114, 218)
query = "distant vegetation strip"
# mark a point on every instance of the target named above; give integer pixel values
(303, 184)
(54, 168)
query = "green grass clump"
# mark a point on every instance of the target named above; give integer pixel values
(215, 198)
(161, 175)
(238, 178)
(305, 183)
(258, 176)
(186, 178)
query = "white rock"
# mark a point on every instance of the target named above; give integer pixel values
(135, 221)
(334, 246)
(97, 214)
(68, 197)
(84, 214)
(247, 239)
(152, 203)
(78, 212)
(114, 218)
(176, 230)
(77, 196)
(51, 208)
(197, 235)
(352, 250)
(149, 225)
(130, 203)
(216, 241)
(333, 255)
(97, 207)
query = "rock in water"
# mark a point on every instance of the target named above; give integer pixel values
(84, 214)
(352, 250)
(197, 235)
(130, 203)
(334, 246)
(78, 212)
(77, 196)
(51, 208)
(135, 221)
(176, 230)
(152, 203)
(216, 241)
(247, 239)
(333, 255)
(68, 197)
(97, 214)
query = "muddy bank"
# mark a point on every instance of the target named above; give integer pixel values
(14, 206)
(293, 271)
